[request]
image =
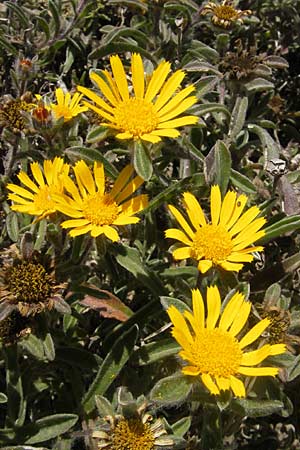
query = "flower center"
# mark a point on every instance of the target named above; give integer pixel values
(29, 282)
(11, 113)
(216, 352)
(212, 242)
(132, 434)
(43, 199)
(225, 12)
(135, 116)
(100, 209)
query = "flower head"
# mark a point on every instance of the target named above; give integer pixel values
(67, 106)
(224, 15)
(225, 241)
(36, 198)
(94, 210)
(12, 114)
(148, 111)
(137, 431)
(27, 281)
(211, 347)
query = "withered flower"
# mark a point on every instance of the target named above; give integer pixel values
(224, 15)
(277, 105)
(280, 323)
(13, 328)
(13, 113)
(27, 280)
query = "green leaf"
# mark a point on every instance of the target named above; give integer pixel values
(111, 367)
(156, 351)
(90, 155)
(130, 259)
(282, 226)
(212, 108)
(78, 357)
(12, 226)
(238, 117)
(34, 346)
(182, 426)
(20, 13)
(294, 370)
(3, 398)
(47, 428)
(182, 272)
(270, 146)
(259, 85)
(242, 182)
(16, 405)
(119, 47)
(256, 408)
(104, 407)
(171, 301)
(49, 348)
(97, 134)
(142, 161)
(55, 15)
(171, 390)
(223, 165)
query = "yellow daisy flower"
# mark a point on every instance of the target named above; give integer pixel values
(148, 111)
(210, 345)
(94, 210)
(66, 106)
(36, 198)
(225, 241)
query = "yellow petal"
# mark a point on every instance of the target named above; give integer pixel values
(223, 383)
(122, 180)
(213, 307)
(104, 88)
(24, 178)
(198, 308)
(169, 88)
(134, 205)
(96, 99)
(99, 177)
(227, 209)
(249, 231)
(20, 191)
(179, 322)
(194, 210)
(230, 266)
(238, 209)
(231, 310)
(244, 220)
(111, 233)
(37, 173)
(174, 109)
(240, 257)
(240, 318)
(131, 187)
(83, 172)
(138, 78)
(190, 370)
(150, 137)
(119, 76)
(80, 230)
(254, 333)
(182, 253)
(215, 204)
(204, 265)
(167, 132)
(259, 371)
(157, 80)
(74, 223)
(182, 222)
(237, 387)
(208, 382)
(174, 233)
(180, 122)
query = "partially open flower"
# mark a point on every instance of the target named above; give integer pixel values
(136, 431)
(67, 106)
(13, 114)
(224, 15)
(27, 281)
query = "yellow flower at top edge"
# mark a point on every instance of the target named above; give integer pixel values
(36, 198)
(148, 111)
(67, 106)
(224, 15)
(225, 241)
(92, 209)
(210, 344)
